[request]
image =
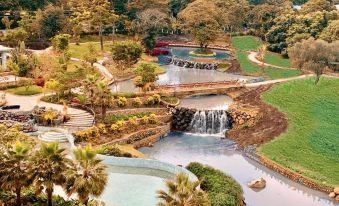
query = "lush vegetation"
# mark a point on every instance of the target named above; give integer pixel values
(26, 165)
(222, 190)
(110, 119)
(81, 49)
(26, 90)
(310, 145)
(277, 60)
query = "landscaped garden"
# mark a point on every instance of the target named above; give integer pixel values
(169, 103)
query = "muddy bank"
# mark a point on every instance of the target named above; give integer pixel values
(270, 125)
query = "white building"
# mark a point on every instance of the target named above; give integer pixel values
(3, 57)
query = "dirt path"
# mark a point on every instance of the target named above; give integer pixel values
(271, 125)
(252, 57)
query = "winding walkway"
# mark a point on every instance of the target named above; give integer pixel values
(79, 119)
(252, 57)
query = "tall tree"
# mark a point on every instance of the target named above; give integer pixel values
(315, 55)
(87, 176)
(94, 14)
(49, 165)
(331, 32)
(200, 17)
(183, 192)
(14, 170)
(316, 5)
(103, 97)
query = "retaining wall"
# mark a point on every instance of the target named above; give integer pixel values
(146, 163)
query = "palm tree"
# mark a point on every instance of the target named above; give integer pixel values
(90, 85)
(14, 165)
(88, 175)
(103, 97)
(183, 192)
(49, 165)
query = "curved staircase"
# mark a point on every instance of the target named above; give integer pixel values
(81, 119)
(54, 136)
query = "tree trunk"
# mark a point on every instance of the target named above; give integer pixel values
(101, 39)
(86, 201)
(103, 112)
(18, 196)
(49, 196)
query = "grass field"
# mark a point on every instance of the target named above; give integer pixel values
(78, 51)
(277, 59)
(26, 91)
(310, 146)
(246, 43)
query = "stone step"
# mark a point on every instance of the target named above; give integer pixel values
(80, 121)
(80, 118)
(78, 125)
(80, 114)
(53, 137)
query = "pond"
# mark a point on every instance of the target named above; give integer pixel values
(207, 102)
(185, 53)
(176, 75)
(181, 148)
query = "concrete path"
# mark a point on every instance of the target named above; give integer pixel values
(278, 80)
(252, 57)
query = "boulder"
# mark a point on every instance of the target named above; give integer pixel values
(332, 195)
(259, 183)
(336, 190)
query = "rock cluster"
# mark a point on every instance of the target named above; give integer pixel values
(15, 116)
(335, 194)
(182, 118)
(21, 126)
(258, 184)
(194, 65)
(243, 116)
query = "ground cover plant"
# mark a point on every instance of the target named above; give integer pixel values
(310, 144)
(222, 190)
(26, 90)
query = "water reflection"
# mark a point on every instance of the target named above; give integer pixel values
(182, 149)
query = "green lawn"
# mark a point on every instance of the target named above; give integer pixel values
(78, 51)
(246, 43)
(277, 59)
(310, 146)
(26, 91)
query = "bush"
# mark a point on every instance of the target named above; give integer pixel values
(110, 119)
(222, 190)
(112, 150)
(122, 101)
(145, 120)
(149, 101)
(153, 119)
(137, 102)
(133, 121)
(118, 126)
(157, 98)
(124, 94)
(61, 42)
(126, 53)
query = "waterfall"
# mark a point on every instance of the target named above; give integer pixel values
(209, 122)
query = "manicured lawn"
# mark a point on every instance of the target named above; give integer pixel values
(26, 91)
(246, 42)
(310, 146)
(274, 73)
(78, 51)
(277, 59)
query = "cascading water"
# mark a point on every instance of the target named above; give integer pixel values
(209, 122)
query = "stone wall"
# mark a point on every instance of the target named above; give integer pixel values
(15, 116)
(137, 110)
(154, 138)
(243, 115)
(192, 64)
(182, 118)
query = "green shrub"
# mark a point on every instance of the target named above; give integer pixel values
(61, 42)
(149, 101)
(145, 120)
(110, 119)
(137, 102)
(157, 98)
(153, 119)
(170, 99)
(222, 189)
(133, 120)
(122, 101)
(126, 53)
(112, 150)
(124, 94)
